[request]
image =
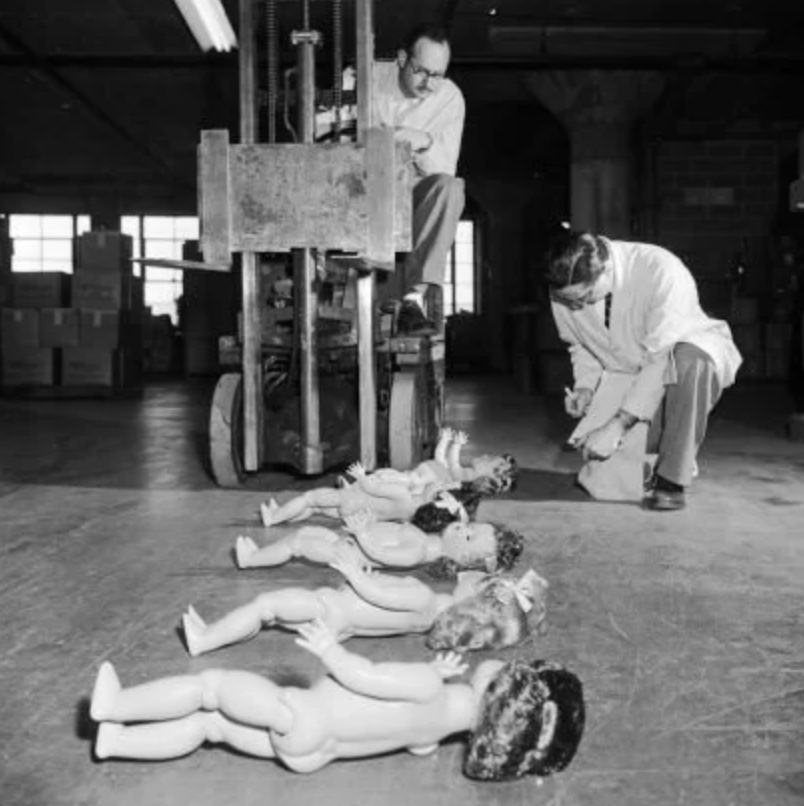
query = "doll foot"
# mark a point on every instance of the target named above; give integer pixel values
(244, 548)
(268, 512)
(104, 694)
(106, 740)
(194, 629)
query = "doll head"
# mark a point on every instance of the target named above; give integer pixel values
(500, 611)
(530, 720)
(444, 509)
(494, 474)
(483, 546)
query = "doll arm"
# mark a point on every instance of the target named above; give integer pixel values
(383, 590)
(417, 682)
(401, 554)
(444, 439)
(456, 469)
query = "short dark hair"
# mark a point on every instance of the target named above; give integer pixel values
(574, 257)
(426, 30)
(432, 518)
(523, 701)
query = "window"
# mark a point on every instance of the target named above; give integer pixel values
(45, 242)
(460, 286)
(161, 237)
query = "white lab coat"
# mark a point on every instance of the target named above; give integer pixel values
(654, 307)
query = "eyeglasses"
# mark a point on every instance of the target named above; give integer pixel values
(430, 75)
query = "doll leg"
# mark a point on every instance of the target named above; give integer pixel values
(324, 500)
(315, 543)
(285, 607)
(243, 696)
(178, 737)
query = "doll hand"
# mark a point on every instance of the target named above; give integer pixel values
(356, 470)
(349, 552)
(349, 562)
(449, 664)
(359, 521)
(460, 437)
(316, 637)
(445, 434)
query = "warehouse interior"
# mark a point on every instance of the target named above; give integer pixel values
(684, 627)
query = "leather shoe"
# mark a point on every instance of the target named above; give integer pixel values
(665, 500)
(411, 321)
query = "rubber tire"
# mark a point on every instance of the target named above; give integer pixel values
(226, 431)
(406, 427)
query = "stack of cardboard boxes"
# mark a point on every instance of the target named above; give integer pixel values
(81, 332)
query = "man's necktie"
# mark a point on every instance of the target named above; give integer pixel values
(607, 314)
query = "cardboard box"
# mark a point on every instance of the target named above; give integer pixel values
(109, 291)
(46, 289)
(86, 366)
(99, 329)
(28, 366)
(105, 251)
(19, 327)
(58, 327)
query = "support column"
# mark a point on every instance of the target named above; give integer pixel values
(598, 109)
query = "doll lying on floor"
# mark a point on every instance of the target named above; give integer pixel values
(523, 718)
(460, 546)
(481, 612)
(396, 495)
(489, 474)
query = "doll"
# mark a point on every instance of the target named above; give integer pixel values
(460, 546)
(395, 494)
(522, 717)
(387, 494)
(487, 474)
(375, 604)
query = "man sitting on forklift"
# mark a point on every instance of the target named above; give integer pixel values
(426, 110)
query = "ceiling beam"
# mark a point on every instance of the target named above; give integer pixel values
(758, 63)
(42, 69)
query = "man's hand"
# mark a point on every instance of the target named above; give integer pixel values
(418, 140)
(576, 403)
(603, 442)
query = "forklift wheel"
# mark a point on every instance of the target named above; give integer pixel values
(407, 429)
(226, 431)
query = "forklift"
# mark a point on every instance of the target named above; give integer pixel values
(320, 378)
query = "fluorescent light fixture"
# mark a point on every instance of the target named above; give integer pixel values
(209, 24)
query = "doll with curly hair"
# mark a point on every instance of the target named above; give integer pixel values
(374, 604)
(460, 546)
(521, 717)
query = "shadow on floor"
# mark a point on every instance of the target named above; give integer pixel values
(545, 485)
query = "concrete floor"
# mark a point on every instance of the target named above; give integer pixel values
(686, 628)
